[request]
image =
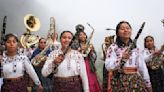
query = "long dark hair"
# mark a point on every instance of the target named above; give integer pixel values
(7, 36)
(146, 39)
(119, 42)
(79, 35)
(66, 31)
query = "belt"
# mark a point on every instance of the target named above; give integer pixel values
(13, 79)
(70, 78)
(129, 70)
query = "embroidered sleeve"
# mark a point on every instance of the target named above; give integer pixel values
(30, 70)
(147, 56)
(49, 66)
(83, 74)
(143, 70)
(112, 58)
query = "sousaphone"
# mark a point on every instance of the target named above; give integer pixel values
(32, 24)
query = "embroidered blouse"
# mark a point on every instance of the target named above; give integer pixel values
(114, 56)
(151, 60)
(148, 55)
(72, 65)
(16, 66)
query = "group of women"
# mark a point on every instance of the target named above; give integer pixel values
(66, 69)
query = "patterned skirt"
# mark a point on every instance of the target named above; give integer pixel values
(157, 79)
(68, 84)
(128, 83)
(14, 86)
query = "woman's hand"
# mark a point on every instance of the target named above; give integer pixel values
(83, 47)
(125, 55)
(40, 88)
(59, 59)
(157, 52)
(149, 89)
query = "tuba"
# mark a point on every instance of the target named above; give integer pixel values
(42, 55)
(31, 23)
(107, 42)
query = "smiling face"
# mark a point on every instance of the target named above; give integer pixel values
(65, 39)
(124, 31)
(82, 37)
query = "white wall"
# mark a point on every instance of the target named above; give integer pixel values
(101, 14)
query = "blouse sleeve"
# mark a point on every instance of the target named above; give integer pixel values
(112, 61)
(143, 70)
(147, 56)
(83, 74)
(49, 66)
(30, 70)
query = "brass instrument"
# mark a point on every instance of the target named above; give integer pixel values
(49, 43)
(51, 31)
(40, 57)
(32, 24)
(87, 49)
(107, 42)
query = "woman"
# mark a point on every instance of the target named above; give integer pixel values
(127, 65)
(90, 58)
(67, 66)
(154, 63)
(40, 54)
(13, 67)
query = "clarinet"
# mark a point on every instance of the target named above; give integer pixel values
(63, 54)
(3, 30)
(2, 42)
(130, 48)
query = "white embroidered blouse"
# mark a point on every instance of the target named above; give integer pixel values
(72, 65)
(148, 55)
(16, 66)
(114, 56)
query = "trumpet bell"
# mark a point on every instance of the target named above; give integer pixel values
(31, 22)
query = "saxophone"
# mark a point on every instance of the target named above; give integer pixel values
(87, 49)
(42, 55)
